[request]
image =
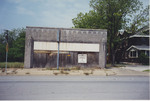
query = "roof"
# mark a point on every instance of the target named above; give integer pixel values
(136, 35)
(67, 28)
(142, 47)
(141, 32)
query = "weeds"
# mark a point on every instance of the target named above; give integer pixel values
(75, 68)
(27, 73)
(12, 65)
(63, 72)
(3, 70)
(86, 73)
(14, 71)
(55, 73)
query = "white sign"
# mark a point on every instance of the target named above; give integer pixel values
(82, 58)
(80, 47)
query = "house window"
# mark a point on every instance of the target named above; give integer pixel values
(147, 53)
(133, 54)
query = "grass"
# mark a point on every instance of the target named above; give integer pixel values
(148, 70)
(12, 65)
(75, 68)
(116, 65)
(63, 68)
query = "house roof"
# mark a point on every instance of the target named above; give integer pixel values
(141, 32)
(136, 35)
(142, 47)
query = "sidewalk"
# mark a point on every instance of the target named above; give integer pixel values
(121, 71)
(137, 67)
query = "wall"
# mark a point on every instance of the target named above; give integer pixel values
(66, 60)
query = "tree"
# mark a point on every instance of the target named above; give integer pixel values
(2, 48)
(18, 46)
(16, 41)
(139, 20)
(110, 15)
(144, 59)
(88, 20)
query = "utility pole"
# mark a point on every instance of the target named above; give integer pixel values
(6, 37)
(58, 40)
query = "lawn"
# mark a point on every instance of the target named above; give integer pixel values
(148, 70)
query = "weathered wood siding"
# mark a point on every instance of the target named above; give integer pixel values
(65, 60)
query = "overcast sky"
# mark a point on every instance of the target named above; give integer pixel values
(44, 13)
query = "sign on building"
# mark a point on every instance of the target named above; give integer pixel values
(82, 58)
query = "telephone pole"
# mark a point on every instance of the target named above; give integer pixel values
(6, 37)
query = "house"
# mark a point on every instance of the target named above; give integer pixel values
(137, 44)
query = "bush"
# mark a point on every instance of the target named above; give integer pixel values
(143, 59)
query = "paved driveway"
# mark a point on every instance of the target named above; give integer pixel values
(136, 67)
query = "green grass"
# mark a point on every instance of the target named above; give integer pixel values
(116, 65)
(12, 65)
(148, 70)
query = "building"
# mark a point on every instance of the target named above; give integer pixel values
(66, 47)
(137, 44)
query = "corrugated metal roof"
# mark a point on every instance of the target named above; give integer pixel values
(142, 47)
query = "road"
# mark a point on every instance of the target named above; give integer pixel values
(74, 88)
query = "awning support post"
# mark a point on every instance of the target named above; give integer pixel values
(58, 49)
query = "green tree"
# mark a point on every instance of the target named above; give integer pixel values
(2, 47)
(110, 15)
(16, 41)
(88, 20)
(16, 51)
(144, 59)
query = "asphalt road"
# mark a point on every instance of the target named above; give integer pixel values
(74, 88)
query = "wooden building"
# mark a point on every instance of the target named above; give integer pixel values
(76, 47)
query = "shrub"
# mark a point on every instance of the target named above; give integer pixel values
(143, 59)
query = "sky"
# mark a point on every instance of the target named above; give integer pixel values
(42, 13)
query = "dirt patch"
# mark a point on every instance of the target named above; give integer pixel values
(94, 72)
